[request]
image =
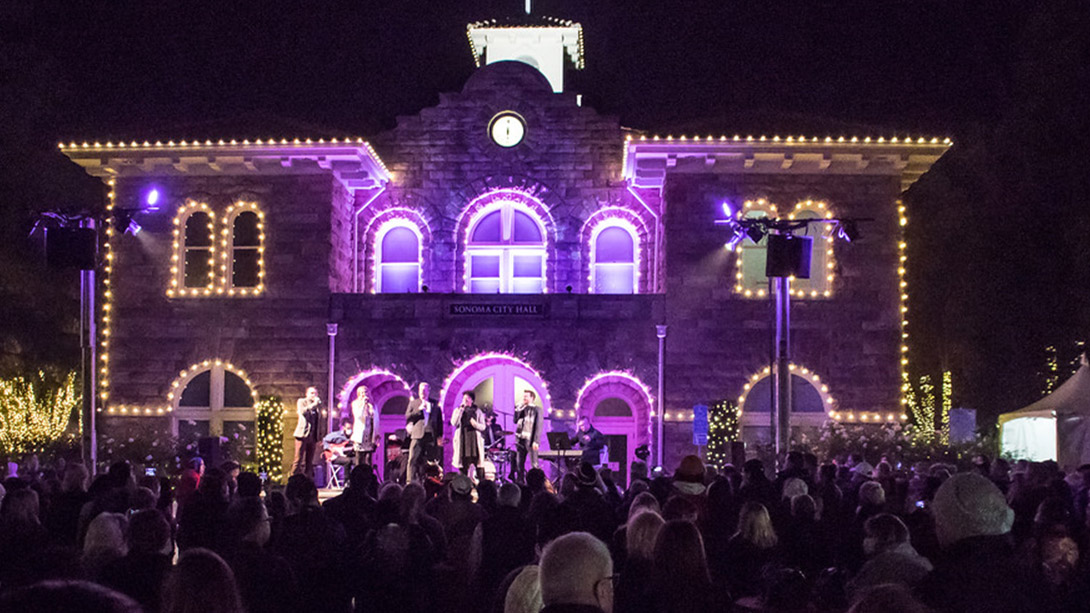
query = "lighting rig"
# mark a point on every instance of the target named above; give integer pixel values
(788, 257)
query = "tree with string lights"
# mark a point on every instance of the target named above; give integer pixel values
(35, 413)
(722, 431)
(269, 445)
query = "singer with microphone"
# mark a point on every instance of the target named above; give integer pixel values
(306, 433)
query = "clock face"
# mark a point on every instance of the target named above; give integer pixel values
(507, 129)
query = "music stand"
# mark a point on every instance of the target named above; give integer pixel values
(559, 441)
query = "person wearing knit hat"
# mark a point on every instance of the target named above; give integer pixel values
(969, 505)
(689, 476)
(979, 569)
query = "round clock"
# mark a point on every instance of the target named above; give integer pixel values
(507, 129)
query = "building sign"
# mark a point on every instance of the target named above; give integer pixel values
(460, 308)
(700, 424)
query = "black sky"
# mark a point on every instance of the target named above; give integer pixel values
(163, 68)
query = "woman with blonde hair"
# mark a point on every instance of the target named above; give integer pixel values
(106, 540)
(751, 548)
(633, 591)
(524, 594)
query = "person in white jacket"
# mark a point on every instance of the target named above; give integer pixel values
(468, 424)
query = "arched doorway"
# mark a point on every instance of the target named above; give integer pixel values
(498, 381)
(390, 394)
(619, 405)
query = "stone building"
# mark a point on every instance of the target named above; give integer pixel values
(508, 238)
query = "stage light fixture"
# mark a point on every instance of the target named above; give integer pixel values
(848, 230)
(126, 219)
(735, 239)
(755, 233)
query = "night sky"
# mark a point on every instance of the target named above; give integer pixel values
(1008, 81)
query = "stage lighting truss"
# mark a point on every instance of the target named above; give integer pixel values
(756, 228)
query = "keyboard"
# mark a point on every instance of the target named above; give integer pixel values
(557, 454)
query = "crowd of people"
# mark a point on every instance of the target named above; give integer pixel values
(809, 537)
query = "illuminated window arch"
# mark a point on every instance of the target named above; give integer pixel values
(192, 270)
(213, 398)
(750, 279)
(614, 248)
(397, 257)
(820, 283)
(506, 250)
(242, 269)
(811, 402)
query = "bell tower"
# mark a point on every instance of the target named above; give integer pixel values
(542, 42)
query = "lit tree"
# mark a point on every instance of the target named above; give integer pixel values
(722, 431)
(947, 404)
(35, 413)
(270, 438)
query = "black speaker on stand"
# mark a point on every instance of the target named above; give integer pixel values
(789, 256)
(71, 248)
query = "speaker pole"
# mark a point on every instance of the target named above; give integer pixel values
(88, 361)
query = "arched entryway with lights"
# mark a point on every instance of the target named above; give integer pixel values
(498, 381)
(213, 398)
(390, 395)
(810, 399)
(619, 405)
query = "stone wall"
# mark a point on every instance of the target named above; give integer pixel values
(717, 339)
(277, 338)
(417, 337)
(571, 162)
(443, 158)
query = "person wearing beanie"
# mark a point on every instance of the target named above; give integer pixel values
(978, 569)
(689, 484)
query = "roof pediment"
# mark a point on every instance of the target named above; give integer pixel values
(648, 159)
(352, 162)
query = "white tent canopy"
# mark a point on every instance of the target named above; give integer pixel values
(1056, 427)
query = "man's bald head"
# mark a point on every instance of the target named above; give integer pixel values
(577, 569)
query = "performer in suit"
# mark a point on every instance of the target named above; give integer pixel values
(419, 423)
(528, 428)
(590, 440)
(365, 435)
(468, 442)
(306, 433)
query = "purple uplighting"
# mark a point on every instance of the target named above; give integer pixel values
(151, 199)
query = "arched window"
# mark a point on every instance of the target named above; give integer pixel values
(750, 279)
(215, 402)
(243, 272)
(194, 258)
(821, 257)
(398, 259)
(614, 265)
(505, 252)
